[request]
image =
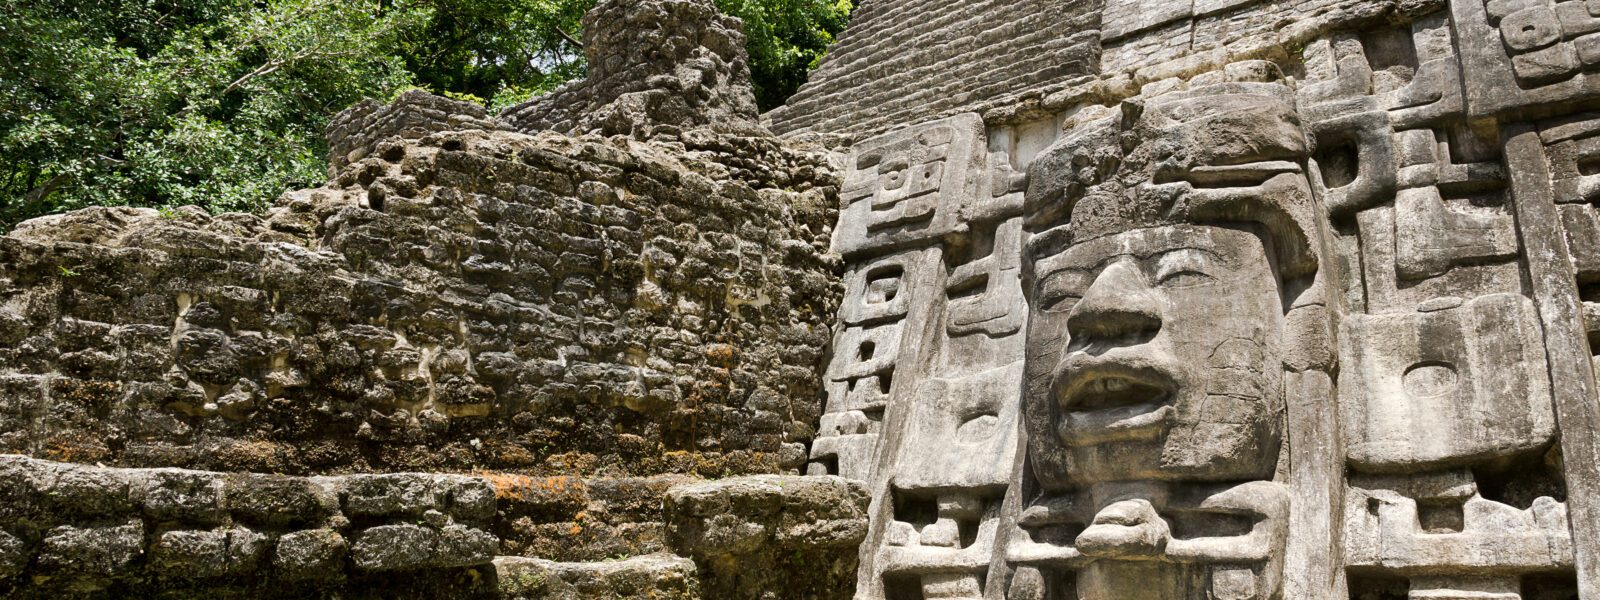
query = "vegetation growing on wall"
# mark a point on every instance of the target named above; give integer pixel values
(221, 103)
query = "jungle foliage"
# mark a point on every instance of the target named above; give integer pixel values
(222, 103)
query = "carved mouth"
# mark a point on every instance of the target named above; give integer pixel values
(1229, 176)
(1113, 400)
(1245, 175)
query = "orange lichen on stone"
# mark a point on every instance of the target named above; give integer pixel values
(563, 496)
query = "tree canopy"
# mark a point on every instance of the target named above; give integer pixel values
(222, 103)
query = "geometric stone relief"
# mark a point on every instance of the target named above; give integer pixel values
(1432, 234)
(880, 290)
(860, 379)
(906, 187)
(1532, 54)
(1445, 387)
(1442, 363)
(1249, 336)
(984, 292)
(1573, 144)
(932, 234)
(1209, 542)
(1361, 90)
(949, 480)
(867, 352)
(1385, 287)
(956, 440)
(1433, 528)
(1172, 264)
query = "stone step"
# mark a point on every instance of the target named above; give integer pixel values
(655, 576)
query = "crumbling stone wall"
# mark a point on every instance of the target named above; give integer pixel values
(356, 131)
(474, 299)
(654, 67)
(81, 530)
(476, 363)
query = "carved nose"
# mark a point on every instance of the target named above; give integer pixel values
(1118, 303)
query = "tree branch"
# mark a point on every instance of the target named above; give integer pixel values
(566, 37)
(39, 193)
(269, 67)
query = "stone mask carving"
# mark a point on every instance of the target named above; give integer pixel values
(1170, 242)
(1170, 369)
(1154, 349)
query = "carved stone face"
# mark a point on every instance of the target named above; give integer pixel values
(1154, 354)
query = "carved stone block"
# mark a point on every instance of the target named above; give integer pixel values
(1388, 289)
(1386, 528)
(907, 186)
(1449, 386)
(881, 289)
(985, 293)
(963, 434)
(1530, 56)
(940, 544)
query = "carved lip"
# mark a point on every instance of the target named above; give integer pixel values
(1242, 175)
(1113, 398)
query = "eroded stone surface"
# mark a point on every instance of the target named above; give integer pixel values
(754, 535)
(662, 576)
(505, 301)
(1216, 300)
(655, 67)
(1270, 252)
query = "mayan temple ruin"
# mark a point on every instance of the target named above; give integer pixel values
(1014, 300)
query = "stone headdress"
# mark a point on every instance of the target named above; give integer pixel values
(1220, 152)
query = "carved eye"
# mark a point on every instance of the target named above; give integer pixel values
(1185, 279)
(1184, 268)
(1061, 290)
(892, 175)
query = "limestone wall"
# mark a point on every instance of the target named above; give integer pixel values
(1285, 300)
(905, 61)
(653, 67)
(478, 362)
(80, 530)
(469, 300)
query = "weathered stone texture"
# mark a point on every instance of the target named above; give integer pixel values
(472, 299)
(136, 531)
(1305, 308)
(88, 529)
(755, 536)
(357, 131)
(655, 67)
(1110, 300)
(656, 576)
(905, 61)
